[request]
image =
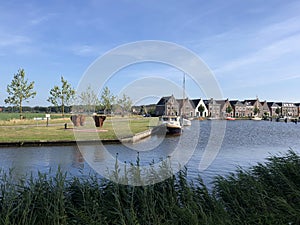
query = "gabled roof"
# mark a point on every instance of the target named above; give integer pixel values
(273, 104)
(263, 102)
(221, 102)
(196, 101)
(206, 101)
(163, 100)
(250, 102)
(210, 101)
(286, 104)
(234, 103)
(180, 102)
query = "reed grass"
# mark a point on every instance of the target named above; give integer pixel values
(264, 194)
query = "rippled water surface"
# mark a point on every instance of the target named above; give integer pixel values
(245, 143)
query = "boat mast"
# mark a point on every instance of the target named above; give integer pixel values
(183, 95)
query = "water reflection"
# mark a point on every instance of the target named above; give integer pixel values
(245, 143)
(78, 160)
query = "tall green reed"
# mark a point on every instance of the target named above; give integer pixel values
(267, 193)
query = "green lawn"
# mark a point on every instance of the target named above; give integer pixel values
(30, 130)
(4, 116)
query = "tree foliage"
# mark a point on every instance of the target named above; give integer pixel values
(89, 99)
(201, 109)
(229, 109)
(19, 90)
(107, 100)
(125, 104)
(61, 96)
(256, 110)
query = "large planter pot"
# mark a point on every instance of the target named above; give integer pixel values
(99, 120)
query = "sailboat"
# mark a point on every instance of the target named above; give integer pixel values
(184, 121)
(172, 124)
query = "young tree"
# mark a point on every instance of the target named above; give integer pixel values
(19, 90)
(201, 110)
(256, 110)
(61, 96)
(229, 109)
(89, 99)
(277, 111)
(125, 103)
(107, 100)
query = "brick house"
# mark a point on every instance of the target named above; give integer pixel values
(167, 106)
(298, 106)
(224, 104)
(214, 108)
(239, 108)
(251, 105)
(288, 109)
(187, 108)
(273, 107)
(171, 106)
(265, 110)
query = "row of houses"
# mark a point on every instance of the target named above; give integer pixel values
(169, 105)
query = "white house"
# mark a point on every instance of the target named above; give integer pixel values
(197, 103)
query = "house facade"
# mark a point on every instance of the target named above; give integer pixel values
(253, 107)
(274, 108)
(187, 108)
(172, 107)
(298, 106)
(288, 109)
(214, 108)
(200, 108)
(224, 105)
(265, 110)
(169, 105)
(239, 108)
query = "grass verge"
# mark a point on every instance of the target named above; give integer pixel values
(30, 130)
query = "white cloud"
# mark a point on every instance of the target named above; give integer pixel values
(268, 43)
(271, 52)
(86, 50)
(9, 40)
(289, 77)
(281, 28)
(41, 19)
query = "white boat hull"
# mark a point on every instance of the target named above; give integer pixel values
(186, 122)
(256, 118)
(172, 124)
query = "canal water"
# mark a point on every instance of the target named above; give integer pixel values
(244, 144)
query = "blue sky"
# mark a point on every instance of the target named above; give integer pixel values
(252, 47)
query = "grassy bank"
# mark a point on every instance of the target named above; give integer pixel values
(30, 130)
(4, 116)
(265, 194)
